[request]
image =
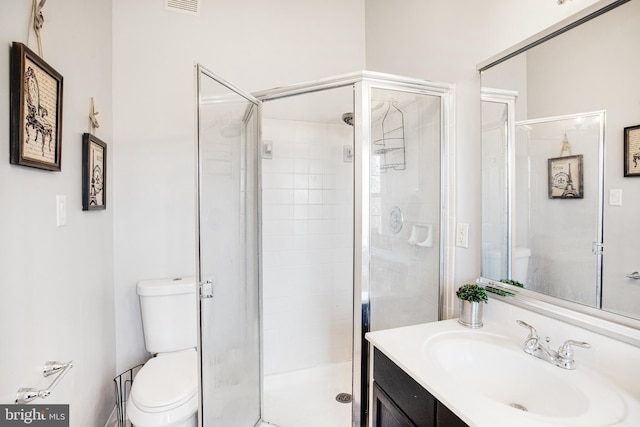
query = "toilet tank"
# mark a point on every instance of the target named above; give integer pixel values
(168, 308)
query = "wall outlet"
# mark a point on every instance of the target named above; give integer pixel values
(462, 235)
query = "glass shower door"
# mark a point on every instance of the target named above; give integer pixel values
(228, 257)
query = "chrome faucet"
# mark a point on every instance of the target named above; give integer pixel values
(562, 358)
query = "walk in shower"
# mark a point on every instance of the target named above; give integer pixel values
(347, 174)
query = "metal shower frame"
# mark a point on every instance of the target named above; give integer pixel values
(363, 82)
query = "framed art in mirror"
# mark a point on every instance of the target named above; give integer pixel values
(36, 111)
(632, 151)
(94, 173)
(565, 178)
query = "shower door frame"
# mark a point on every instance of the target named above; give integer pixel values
(363, 82)
(205, 287)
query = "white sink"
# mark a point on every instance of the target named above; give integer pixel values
(495, 367)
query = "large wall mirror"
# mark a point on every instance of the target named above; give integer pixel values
(559, 216)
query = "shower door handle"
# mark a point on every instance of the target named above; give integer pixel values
(206, 289)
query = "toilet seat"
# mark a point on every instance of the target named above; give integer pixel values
(165, 388)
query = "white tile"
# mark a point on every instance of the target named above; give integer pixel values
(315, 197)
(285, 197)
(302, 166)
(301, 196)
(285, 180)
(286, 165)
(301, 149)
(300, 212)
(285, 212)
(328, 211)
(269, 196)
(315, 181)
(301, 181)
(285, 149)
(301, 227)
(315, 150)
(315, 227)
(328, 196)
(270, 180)
(315, 211)
(285, 227)
(269, 212)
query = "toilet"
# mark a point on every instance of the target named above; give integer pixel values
(165, 390)
(520, 268)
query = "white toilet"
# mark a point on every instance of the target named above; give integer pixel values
(520, 268)
(165, 390)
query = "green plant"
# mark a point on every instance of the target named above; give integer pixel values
(472, 292)
(512, 282)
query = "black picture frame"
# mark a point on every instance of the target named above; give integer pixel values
(94, 173)
(35, 99)
(566, 177)
(632, 151)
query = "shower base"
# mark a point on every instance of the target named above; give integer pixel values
(307, 397)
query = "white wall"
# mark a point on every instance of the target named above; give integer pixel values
(444, 41)
(255, 45)
(56, 297)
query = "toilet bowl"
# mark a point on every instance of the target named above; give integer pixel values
(164, 393)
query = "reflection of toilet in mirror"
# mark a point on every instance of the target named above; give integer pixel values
(165, 390)
(520, 267)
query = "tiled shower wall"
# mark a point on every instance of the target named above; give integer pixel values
(307, 245)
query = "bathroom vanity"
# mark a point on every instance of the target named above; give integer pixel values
(398, 400)
(443, 374)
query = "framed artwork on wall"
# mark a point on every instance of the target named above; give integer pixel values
(94, 173)
(632, 151)
(565, 177)
(36, 111)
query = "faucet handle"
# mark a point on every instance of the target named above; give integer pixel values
(532, 343)
(566, 351)
(532, 331)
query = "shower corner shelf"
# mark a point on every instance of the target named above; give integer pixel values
(391, 143)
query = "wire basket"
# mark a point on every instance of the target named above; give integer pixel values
(123, 384)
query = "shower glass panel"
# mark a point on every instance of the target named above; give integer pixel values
(405, 205)
(228, 257)
(307, 202)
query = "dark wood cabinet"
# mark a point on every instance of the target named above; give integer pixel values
(399, 401)
(386, 413)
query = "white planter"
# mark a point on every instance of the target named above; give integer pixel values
(470, 314)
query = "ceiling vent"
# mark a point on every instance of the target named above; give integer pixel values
(189, 7)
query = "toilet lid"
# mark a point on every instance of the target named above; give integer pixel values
(166, 382)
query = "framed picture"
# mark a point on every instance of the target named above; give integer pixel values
(632, 151)
(565, 177)
(94, 173)
(36, 111)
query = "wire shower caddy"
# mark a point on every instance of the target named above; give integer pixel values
(390, 139)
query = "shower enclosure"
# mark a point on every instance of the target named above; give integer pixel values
(321, 213)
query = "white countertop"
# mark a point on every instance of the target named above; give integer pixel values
(407, 347)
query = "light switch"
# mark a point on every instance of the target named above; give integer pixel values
(61, 211)
(615, 197)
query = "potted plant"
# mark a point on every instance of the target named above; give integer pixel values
(472, 297)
